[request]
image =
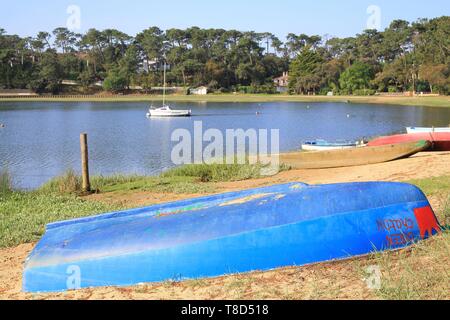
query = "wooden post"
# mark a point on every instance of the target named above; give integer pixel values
(86, 185)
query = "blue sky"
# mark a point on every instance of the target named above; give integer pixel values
(332, 17)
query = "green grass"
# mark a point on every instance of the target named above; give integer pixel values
(441, 101)
(438, 187)
(420, 272)
(68, 183)
(217, 172)
(189, 179)
(446, 212)
(433, 186)
(23, 215)
(6, 186)
(179, 185)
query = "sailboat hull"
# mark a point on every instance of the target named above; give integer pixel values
(172, 113)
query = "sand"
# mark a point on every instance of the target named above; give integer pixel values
(336, 280)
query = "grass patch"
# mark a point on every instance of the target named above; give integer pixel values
(6, 185)
(189, 179)
(68, 183)
(433, 186)
(23, 215)
(446, 212)
(216, 172)
(438, 187)
(179, 185)
(420, 272)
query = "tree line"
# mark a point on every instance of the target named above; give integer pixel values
(404, 57)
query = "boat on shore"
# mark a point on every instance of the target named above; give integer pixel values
(440, 141)
(321, 145)
(261, 229)
(426, 130)
(352, 157)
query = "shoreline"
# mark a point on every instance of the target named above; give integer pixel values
(435, 101)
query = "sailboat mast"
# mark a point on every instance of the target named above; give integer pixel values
(164, 87)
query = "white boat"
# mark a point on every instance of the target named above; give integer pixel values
(322, 145)
(426, 130)
(165, 111)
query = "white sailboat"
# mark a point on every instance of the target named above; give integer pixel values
(165, 110)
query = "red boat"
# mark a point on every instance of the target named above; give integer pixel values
(440, 140)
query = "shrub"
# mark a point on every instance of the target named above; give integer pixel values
(216, 172)
(68, 183)
(392, 89)
(115, 81)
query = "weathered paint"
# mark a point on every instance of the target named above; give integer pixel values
(246, 199)
(440, 141)
(260, 229)
(354, 156)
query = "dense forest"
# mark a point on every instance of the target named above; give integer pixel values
(404, 57)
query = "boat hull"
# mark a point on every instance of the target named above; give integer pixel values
(426, 130)
(310, 147)
(260, 229)
(321, 145)
(352, 157)
(440, 141)
(179, 114)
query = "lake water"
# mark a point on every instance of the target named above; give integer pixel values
(41, 139)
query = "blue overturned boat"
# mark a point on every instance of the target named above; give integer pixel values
(261, 229)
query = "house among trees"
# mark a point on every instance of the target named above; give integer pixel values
(282, 83)
(199, 91)
(146, 65)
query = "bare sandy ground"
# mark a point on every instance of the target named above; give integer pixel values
(337, 280)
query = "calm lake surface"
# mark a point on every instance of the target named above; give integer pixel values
(41, 139)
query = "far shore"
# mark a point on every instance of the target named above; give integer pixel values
(434, 101)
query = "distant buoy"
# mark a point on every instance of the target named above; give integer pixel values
(2, 125)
